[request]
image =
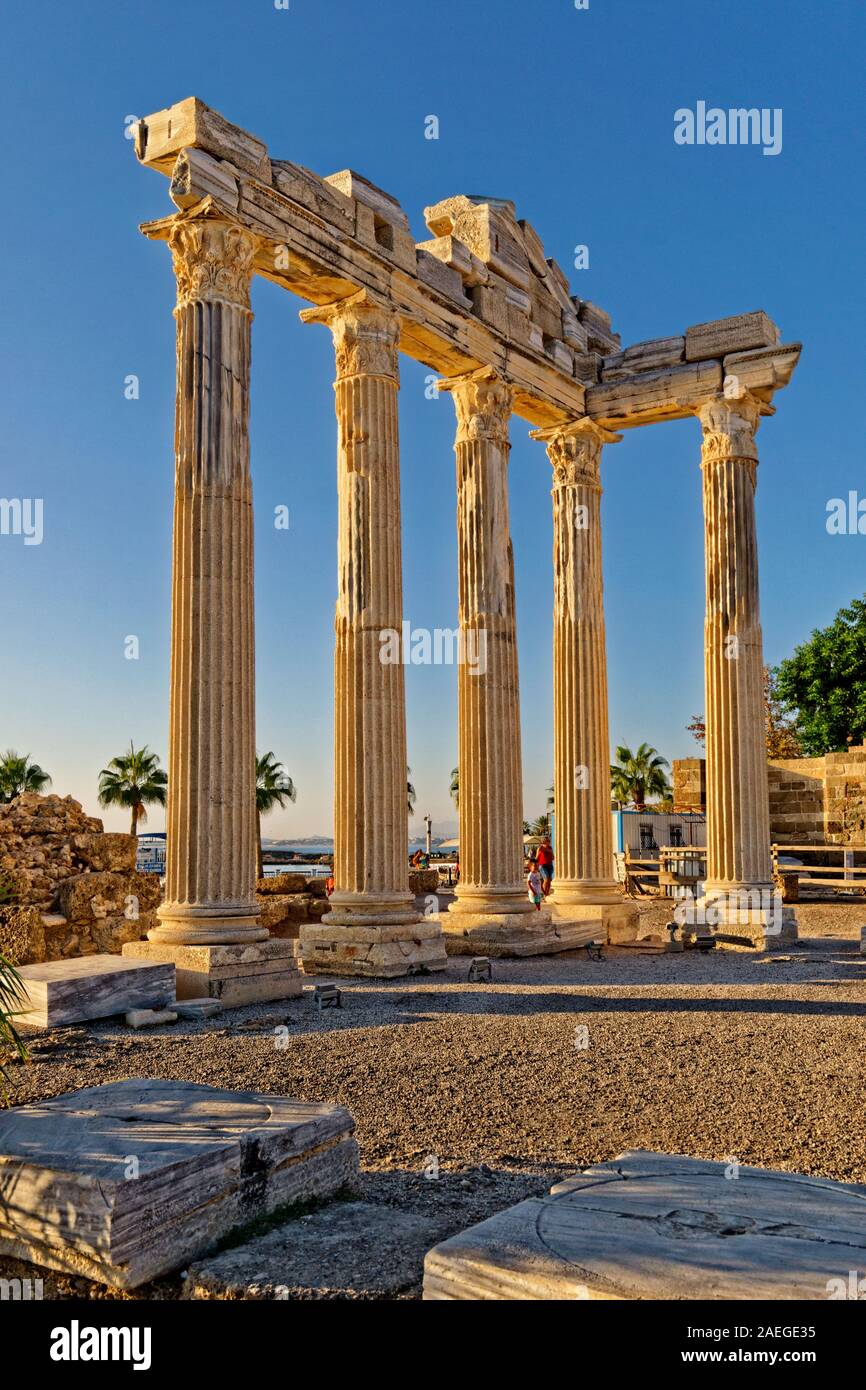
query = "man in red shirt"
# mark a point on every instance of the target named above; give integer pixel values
(544, 859)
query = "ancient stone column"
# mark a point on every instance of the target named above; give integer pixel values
(581, 745)
(372, 927)
(491, 890)
(738, 822)
(211, 817)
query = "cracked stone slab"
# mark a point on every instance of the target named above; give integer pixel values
(348, 1249)
(128, 1181)
(60, 992)
(660, 1226)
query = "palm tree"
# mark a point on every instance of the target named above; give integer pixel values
(410, 792)
(12, 992)
(540, 827)
(274, 787)
(551, 799)
(454, 789)
(635, 776)
(18, 775)
(133, 780)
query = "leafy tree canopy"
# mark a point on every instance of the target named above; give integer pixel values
(824, 682)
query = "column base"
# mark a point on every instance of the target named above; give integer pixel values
(754, 911)
(371, 910)
(616, 920)
(253, 973)
(225, 925)
(375, 951)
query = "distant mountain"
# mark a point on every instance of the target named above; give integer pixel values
(298, 840)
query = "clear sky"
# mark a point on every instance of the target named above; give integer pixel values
(568, 112)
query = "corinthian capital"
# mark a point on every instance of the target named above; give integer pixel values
(483, 404)
(213, 260)
(729, 424)
(366, 334)
(574, 451)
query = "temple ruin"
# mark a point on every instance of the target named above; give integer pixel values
(481, 305)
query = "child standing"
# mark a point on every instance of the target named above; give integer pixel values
(535, 891)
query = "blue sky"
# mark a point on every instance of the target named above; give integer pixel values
(569, 113)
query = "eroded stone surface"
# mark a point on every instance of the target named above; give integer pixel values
(348, 1249)
(125, 1182)
(658, 1226)
(71, 991)
(249, 973)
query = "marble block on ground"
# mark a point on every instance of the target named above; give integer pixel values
(658, 1226)
(126, 1182)
(376, 952)
(347, 1249)
(60, 992)
(516, 935)
(255, 973)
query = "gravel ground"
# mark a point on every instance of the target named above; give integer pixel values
(557, 1064)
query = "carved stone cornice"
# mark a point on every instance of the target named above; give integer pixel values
(366, 335)
(574, 451)
(213, 261)
(483, 401)
(729, 424)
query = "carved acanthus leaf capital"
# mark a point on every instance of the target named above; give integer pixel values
(483, 403)
(366, 335)
(574, 451)
(213, 260)
(729, 424)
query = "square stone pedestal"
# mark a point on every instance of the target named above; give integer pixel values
(658, 1226)
(235, 975)
(376, 952)
(766, 928)
(126, 1182)
(60, 992)
(615, 924)
(516, 934)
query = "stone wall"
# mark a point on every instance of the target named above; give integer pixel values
(74, 889)
(689, 784)
(813, 801)
(288, 901)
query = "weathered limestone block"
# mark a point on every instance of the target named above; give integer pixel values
(248, 973)
(277, 908)
(161, 137)
(354, 185)
(596, 321)
(197, 175)
(423, 881)
(281, 884)
(666, 394)
(209, 1161)
(439, 276)
(104, 851)
(315, 194)
(659, 1226)
(316, 887)
(764, 369)
(379, 952)
(721, 336)
(94, 897)
(22, 935)
(644, 357)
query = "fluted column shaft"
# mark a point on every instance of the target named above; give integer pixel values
(738, 821)
(491, 776)
(581, 747)
(371, 870)
(211, 810)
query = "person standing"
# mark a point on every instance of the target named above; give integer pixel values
(544, 859)
(534, 886)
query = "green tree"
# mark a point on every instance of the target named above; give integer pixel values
(410, 792)
(18, 775)
(133, 780)
(274, 787)
(636, 776)
(824, 684)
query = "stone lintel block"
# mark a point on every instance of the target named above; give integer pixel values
(354, 185)
(314, 194)
(721, 336)
(388, 238)
(452, 252)
(436, 273)
(373, 936)
(588, 367)
(574, 332)
(659, 1226)
(670, 393)
(384, 952)
(513, 935)
(209, 1161)
(162, 135)
(763, 369)
(198, 175)
(534, 247)
(235, 975)
(491, 307)
(61, 992)
(643, 357)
